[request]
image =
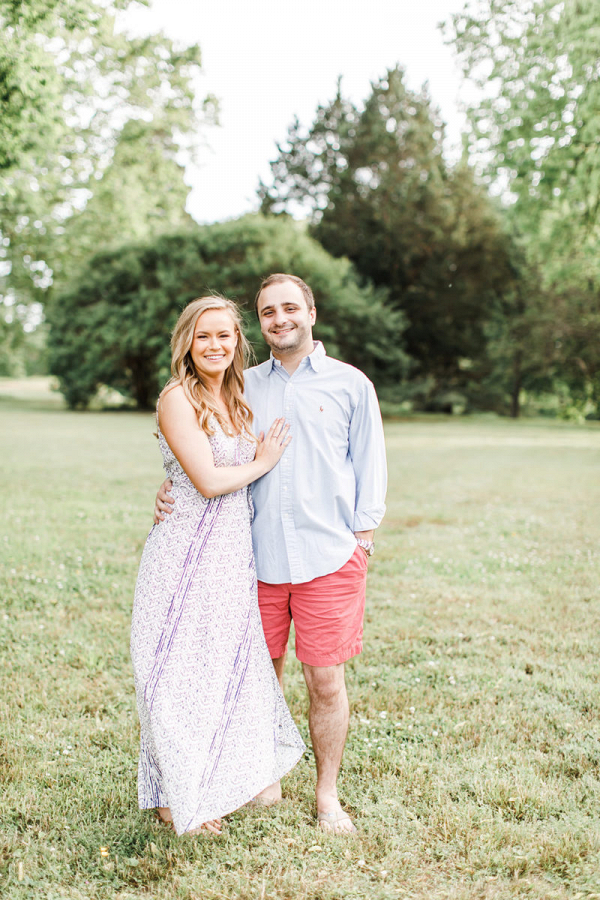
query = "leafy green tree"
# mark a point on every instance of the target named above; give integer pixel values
(378, 190)
(535, 139)
(112, 325)
(12, 341)
(30, 85)
(520, 351)
(141, 193)
(77, 96)
(22, 352)
(536, 133)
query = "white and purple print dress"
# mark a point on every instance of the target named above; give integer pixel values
(215, 728)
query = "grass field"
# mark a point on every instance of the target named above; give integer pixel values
(473, 761)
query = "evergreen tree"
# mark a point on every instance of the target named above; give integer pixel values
(113, 323)
(378, 190)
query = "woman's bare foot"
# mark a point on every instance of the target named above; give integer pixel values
(213, 826)
(269, 797)
(164, 814)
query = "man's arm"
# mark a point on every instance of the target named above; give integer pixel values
(367, 452)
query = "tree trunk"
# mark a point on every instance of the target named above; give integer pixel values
(143, 383)
(515, 406)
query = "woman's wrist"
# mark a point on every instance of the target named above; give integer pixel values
(261, 468)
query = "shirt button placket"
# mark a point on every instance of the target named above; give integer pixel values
(286, 484)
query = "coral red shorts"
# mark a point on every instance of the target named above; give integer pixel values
(327, 612)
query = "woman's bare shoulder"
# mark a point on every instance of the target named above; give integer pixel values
(173, 402)
(171, 393)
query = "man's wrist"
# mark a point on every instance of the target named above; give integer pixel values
(366, 545)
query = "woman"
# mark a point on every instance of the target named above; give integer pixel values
(215, 729)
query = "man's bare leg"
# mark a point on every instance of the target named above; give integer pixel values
(328, 724)
(272, 794)
(279, 666)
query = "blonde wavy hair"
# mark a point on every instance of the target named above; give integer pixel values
(184, 373)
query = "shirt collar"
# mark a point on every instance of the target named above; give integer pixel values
(314, 359)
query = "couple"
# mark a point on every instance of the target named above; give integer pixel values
(215, 730)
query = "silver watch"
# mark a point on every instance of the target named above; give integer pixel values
(368, 546)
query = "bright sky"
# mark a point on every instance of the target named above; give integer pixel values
(269, 60)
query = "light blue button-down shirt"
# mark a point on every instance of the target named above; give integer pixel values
(332, 478)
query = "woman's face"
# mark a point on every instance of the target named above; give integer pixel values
(214, 343)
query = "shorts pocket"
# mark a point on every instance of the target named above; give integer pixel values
(363, 556)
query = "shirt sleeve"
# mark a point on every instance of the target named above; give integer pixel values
(367, 452)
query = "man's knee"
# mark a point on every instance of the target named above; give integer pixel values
(279, 666)
(325, 683)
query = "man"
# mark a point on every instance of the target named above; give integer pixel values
(316, 512)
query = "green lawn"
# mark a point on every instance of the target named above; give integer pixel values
(473, 760)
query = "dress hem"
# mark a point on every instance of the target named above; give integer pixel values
(246, 796)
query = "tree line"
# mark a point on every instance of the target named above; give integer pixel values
(455, 286)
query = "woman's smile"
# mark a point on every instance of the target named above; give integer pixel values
(214, 343)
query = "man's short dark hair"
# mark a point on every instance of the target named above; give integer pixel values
(280, 278)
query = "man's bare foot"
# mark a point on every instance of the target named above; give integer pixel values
(332, 819)
(269, 797)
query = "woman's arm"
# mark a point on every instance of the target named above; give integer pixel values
(179, 424)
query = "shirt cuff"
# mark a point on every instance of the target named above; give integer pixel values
(365, 520)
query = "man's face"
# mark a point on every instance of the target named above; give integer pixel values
(285, 319)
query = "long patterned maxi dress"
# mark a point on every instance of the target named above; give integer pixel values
(215, 728)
